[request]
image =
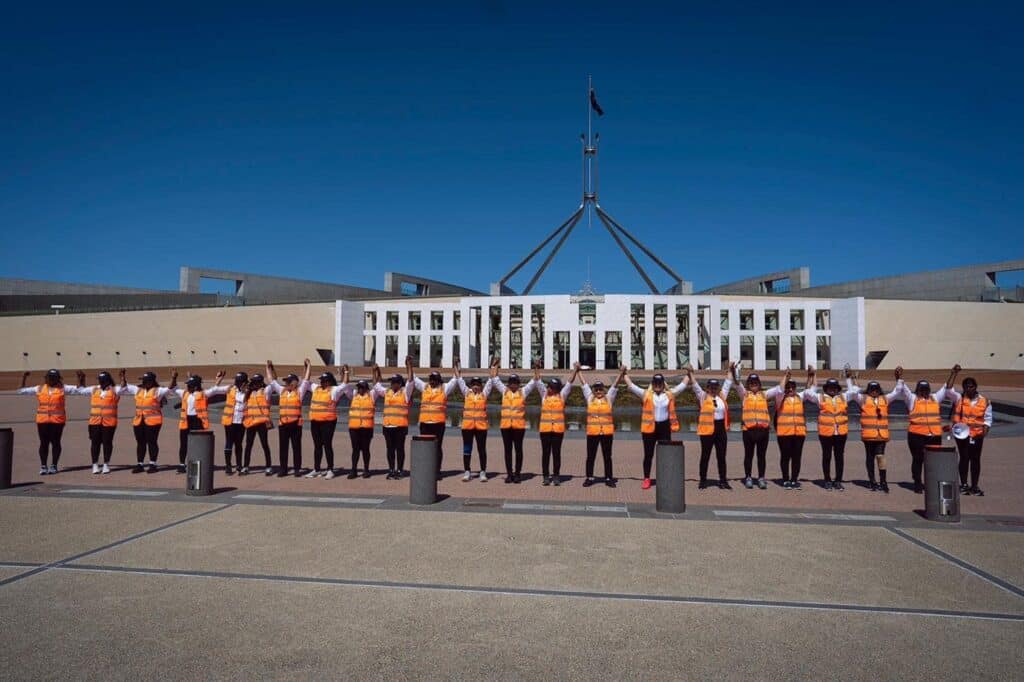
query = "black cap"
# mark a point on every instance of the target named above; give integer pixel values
(362, 383)
(290, 378)
(832, 383)
(555, 383)
(922, 384)
(53, 374)
(476, 381)
(753, 378)
(434, 376)
(513, 379)
(873, 386)
(597, 384)
(148, 376)
(326, 376)
(789, 384)
(397, 379)
(714, 382)
(970, 380)
(241, 378)
(105, 378)
(658, 379)
(257, 378)
(194, 381)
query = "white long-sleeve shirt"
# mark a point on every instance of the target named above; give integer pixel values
(280, 388)
(132, 389)
(778, 394)
(190, 406)
(375, 391)
(859, 395)
(910, 398)
(449, 385)
(812, 395)
(87, 390)
(486, 389)
(381, 389)
(609, 394)
(721, 405)
(541, 388)
(660, 400)
(956, 397)
(525, 389)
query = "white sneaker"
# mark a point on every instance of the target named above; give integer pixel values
(467, 476)
(329, 475)
(312, 474)
(95, 468)
(53, 469)
(268, 471)
(483, 475)
(106, 468)
(43, 471)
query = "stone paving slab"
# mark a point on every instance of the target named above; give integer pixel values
(6, 573)
(1001, 554)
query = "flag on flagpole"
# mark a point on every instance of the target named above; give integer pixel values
(594, 105)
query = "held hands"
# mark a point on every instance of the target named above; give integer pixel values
(305, 363)
(220, 374)
(898, 373)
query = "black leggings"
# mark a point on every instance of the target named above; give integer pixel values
(101, 436)
(234, 434)
(289, 434)
(829, 445)
(250, 437)
(194, 424)
(49, 439)
(791, 450)
(916, 443)
(755, 438)
(394, 441)
(606, 452)
(662, 431)
(551, 452)
(147, 438)
(436, 429)
(323, 442)
(468, 435)
(513, 438)
(361, 445)
(874, 450)
(970, 457)
(718, 440)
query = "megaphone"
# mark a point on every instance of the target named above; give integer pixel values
(961, 431)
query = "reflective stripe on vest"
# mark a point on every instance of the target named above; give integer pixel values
(50, 409)
(874, 419)
(755, 411)
(257, 409)
(433, 405)
(201, 410)
(396, 408)
(229, 407)
(147, 407)
(552, 414)
(647, 415)
(972, 415)
(103, 409)
(706, 420)
(924, 418)
(474, 411)
(833, 419)
(791, 417)
(289, 407)
(513, 410)
(360, 412)
(599, 417)
(321, 407)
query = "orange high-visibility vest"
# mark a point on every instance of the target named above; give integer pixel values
(103, 409)
(706, 420)
(229, 407)
(647, 416)
(360, 412)
(924, 418)
(257, 409)
(321, 407)
(51, 405)
(833, 419)
(972, 415)
(552, 414)
(513, 410)
(201, 411)
(396, 408)
(791, 417)
(755, 411)
(433, 405)
(147, 407)
(289, 407)
(874, 419)
(474, 412)
(599, 417)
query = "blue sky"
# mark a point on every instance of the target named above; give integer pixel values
(334, 142)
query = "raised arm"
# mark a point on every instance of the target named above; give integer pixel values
(900, 390)
(80, 375)
(952, 376)
(410, 378)
(494, 367)
(174, 380)
(633, 388)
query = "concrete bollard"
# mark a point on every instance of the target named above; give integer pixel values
(6, 457)
(199, 463)
(670, 497)
(424, 461)
(941, 484)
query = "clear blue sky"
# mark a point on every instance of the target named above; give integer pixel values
(336, 142)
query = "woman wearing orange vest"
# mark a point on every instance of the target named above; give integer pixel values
(50, 417)
(323, 421)
(712, 426)
(149, 417)
(874, 424)
(975, 410)
(756, 423)
(103, 401)
(513, 421)
(362, 402)
(600, 425)
(790, 426)
(924, 425)
(833, 429)
(397, 398)
(433, 406)
(289, 416)
(195, 415)
(659, 420)
(257, 422)
(474, 422)
(552, 423)
(232, 421)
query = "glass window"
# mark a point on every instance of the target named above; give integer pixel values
(457, 320)
(562, 349)
(723, 317)
(771, 352)
(369, 349)
(370, 320)
(796, 320)
(537, 332)
(415, 323)
(771, 319)
(456, 348)
(515, 331)
(436, 350)
(796, 352)
(612, 349)
(414, 350)
(588, 313)
(392, 320)
(436, 320)
(747, 350)
(638, 335)
(682, 335)
(660, 337)
(746, 319)
(821, 320)
(824, 352)
(495, 330)
(391, 351)
(588, 349)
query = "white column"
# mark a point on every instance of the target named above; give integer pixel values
(549, 344)
(599, 348)
(734, 334)
(574, 344)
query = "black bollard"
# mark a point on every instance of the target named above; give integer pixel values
(423, 470)
(941, 483)
(670, 497)
(6, 457)
(199, 463)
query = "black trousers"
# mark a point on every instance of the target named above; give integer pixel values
(194, 424)
(147, 438)
(605, 442)
(234, 435)
(662, 431)
(101, 436)
(755, 439)
(916, 443)
(718, 440)
(791, 450)
(970, 458)
(551, 453)
(394, 441)
(874, 450)
(435, 430)
(323, 442)
(49, 441)
(360, 439)
(512, 439)
(251, 432)
(832, 445)
(468, 436)
(289, 435)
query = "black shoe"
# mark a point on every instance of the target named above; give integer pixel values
(788, 485)
(884, 487)
(138, 469)
(978, 492)
(795, 485)
(556, 481)
(918, 488)
(298, 473)
(228, 471)
(366, 474)
(508, 478)
(724, 485)
(610, 482)
(352, 474)
(282, 472)
(181, 468)
(152, 468)
(391, 475)
(703, 484)
(838, 485)
(828, 485)
(587, 482)
(964, 488)
(873, 486)
(546, 481)
(515, 478)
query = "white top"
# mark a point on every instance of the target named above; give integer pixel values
(778, 394)
(525, 389)
(33, 390)
(466, 390)
(380, 388)
(857, 393)
(87, 390)
(660, 400)
(190, 407)
(721, 406)
(910, 398)
(132, 389)
(609, 394)
(449, 385)
(376, 390)
(956, 397)
(280, 388)
(812, 395)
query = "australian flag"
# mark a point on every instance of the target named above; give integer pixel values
(594, 105)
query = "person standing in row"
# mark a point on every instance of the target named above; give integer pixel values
(833, 429)
(658, 419)
(600, 426)
(755, 423)
(323, 421)
(552, 423)
(974, 410)
(474, 422)
(194, 413)
(874, 425)
(257, 422)
(925, 424)
(790, 426)
(289, 416)
(50, 417)
(712, 426)
(397, 399)
(149, 418)
(104, 398)
(360, 420)
(433, 406)
(513, 421)
(231, 420)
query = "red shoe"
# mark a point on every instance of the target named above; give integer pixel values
(646, 485)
